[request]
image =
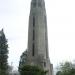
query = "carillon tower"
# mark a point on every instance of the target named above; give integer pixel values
(37, 52)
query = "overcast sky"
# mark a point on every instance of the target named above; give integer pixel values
(14, 18)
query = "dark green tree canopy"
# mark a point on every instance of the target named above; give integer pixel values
(31, 70)
(3, 53)
(23, 59)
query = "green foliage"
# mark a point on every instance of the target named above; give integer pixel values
(3, 53)
(59, 73)
(31, 70)
(28, 69)
(66, 68)
(23, 58)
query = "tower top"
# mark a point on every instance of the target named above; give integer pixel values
(37, 7)
(37, 3)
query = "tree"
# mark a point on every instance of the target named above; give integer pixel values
(23, 59)
(3, 53)
(31, 70)
(66, 68)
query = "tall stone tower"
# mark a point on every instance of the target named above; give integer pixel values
(37, 52)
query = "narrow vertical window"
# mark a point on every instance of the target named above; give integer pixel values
(44, 64)
(33, 50)
(33, 28)
(33, 35)
(33, 21)
(34, 3)
(33, 46)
